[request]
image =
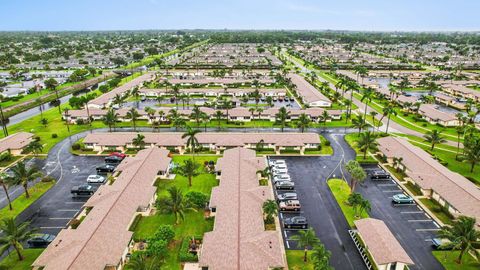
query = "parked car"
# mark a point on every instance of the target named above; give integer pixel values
(402, 199)
(280, 167)
(279, 171)
(281, 177)
(106, 168)
(40, 240)
(84, 189)
(95, 178)
(113, 160)
(285, 185)
(380, 175)
(296, 222)
(287, 196)
(290, 205)
(277, 162)
(437, 242)
(118, 154)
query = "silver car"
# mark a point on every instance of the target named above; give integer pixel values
(95, 178)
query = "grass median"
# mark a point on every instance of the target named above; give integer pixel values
(341, 191)
(447, 259)
(11, 261)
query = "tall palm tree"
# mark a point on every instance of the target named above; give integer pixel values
(282, 116)
(196, 114)
(366, 142)
(133, 114)
(359, 122)
(52, 85)
(365, 206)
(367, 97)
(321, 257)
(189, 169)
(270, 210)
(23, 175)
(192, 141)
(388, 111)
(176, 93)
(306, 239)
(65, 112)
(117, 99)
(205, 119)
(174, 204)
(5, 183)
(140, 262)
(228, 105)
(218, 116)
(110, 119)
(374, 114)
(34, 147)
(434, 137)
(134, 92)
(356, 172)
(303, 122)
(462, 235)
(13, 235)
(139, 141)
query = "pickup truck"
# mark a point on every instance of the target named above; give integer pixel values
(82, 190)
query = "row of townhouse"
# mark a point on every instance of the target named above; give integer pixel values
(103, 239)
(213, 141)
(240, 114)
(462, 91)
(309, 95)
(453, 191)
(216, 92)
(434, 115)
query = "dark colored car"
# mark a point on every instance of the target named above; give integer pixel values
(82, 190)
(106, 168)
(380, 175)
(285, 185)
(287, 196)
(118, 154)
(40, 240)
(113, 160)
(296, 222)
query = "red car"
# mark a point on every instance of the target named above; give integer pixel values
(118, 154)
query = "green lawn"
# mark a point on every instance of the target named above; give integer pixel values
(295, 260)
(341, 191)
(6, 163)
(351, 139)
(436, 209)
(11, 262)
(21, 203)
(447, 259)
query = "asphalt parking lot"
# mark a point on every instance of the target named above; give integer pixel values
(412, 227)
(320, 209)
(53, 211)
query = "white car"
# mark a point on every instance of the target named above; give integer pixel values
(279, 171)
(94, 178)
(277, 162)
(280, 167)
(281, 177)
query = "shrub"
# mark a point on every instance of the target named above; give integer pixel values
(165, 233)
(327, 143)
(157, 248)
(183, 254)
(47, 178)
(6, 156)
(80, 122)
(74, 223)
(196, 199)
(76, 146)
(54, 135)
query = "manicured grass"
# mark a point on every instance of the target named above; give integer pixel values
(295, 260)
(326, 149)
(11, 262)
(6, 163)
(437, 210)
(21, 203)
(447, 259)
(351, 139)
(341, 191)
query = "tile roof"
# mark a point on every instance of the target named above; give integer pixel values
(239, 240)
(101, 239)
(431, 111)
(380, 242)
(306, 90)
(15, 141)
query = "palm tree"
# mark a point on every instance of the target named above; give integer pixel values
(65, 111)
(306, 239)
(5, 183)
(321, 257)
(205, 119)
(357, 173)
(139, 141)
(134, 92)
(366, 206)
(228, 105)
(117, 99)
(270, 209)
(174, 204)
(359, 122)
(139, 261)
(434, 137)
(23, 175)
(281, 117)
(189, 169)
(366, 142)
(303, 122)
(13, 235)
(34, 147)
(192, 140)
(133, 114)
(196, 113)
(388, 111)
(462, 236)
(218, 116)
(160, 99)
(52, 85)
(367, 97)
(324, 117)
(110, 119)
(373, 114)
(175, 92)
(472, 150)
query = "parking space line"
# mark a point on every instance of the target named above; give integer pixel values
(288, 245)
(285, 233)
(436, 224)
(60, 218)
(419, 220)
(75, 202)
(391, 191)
(411, 212)
(68, 210)
(427, 230)
(52, 227)
(386, 185)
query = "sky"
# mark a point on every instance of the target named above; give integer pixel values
(366, 15)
